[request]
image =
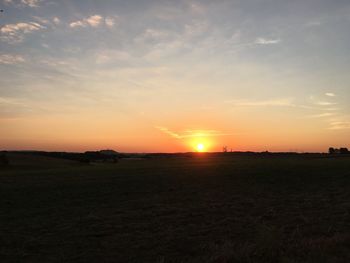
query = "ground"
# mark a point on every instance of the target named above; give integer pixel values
(186, 209)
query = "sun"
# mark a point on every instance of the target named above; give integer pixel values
(200, 147)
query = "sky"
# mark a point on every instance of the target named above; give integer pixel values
(165, 76)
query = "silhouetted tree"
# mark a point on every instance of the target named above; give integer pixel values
(331, 150)
(344, 151)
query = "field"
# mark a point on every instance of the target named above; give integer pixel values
(204, 208)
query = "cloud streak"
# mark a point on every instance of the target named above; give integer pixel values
(9, 59)
(11, 101)
(31, 3)
(322, 115)
(93, 21)
(325, 103)
(16, 32)
(265, 103)
(282, 102)
(109, 56)
(192, 133)
(265, 41)
(24, 3)
(339, 125)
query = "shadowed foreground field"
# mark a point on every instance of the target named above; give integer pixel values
(199, 209)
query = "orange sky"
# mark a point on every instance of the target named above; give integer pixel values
(179, 133)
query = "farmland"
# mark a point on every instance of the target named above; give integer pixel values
(198, 208)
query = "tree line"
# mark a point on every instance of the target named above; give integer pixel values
(338, 151)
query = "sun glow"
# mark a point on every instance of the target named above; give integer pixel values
(200, 147)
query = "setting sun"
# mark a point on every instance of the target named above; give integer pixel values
(200, 147)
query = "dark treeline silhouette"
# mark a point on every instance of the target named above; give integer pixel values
(338, 151)
(264, 154)
(86, 157)
(110, 156)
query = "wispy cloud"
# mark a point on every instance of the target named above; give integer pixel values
(322, 115)
(15, 32)
(322, 104)
(325, 103)
(192, 133)
(235, 38)
(12, 107)
(197, 8)
(11, 101)
(93, 21)
(196, 28)
(77, 24)
(331, 109)
(56, 20)
(23, 3)
(31, 3)
(8, 59)
(151, 34)
(169, 132)
(339, 125)
(110, 21)
(285, 102)
(264, 103)
(266, 41)
(108, 56)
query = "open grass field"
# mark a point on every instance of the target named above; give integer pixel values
(200, 209)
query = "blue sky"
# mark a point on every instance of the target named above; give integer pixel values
(252, 74)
